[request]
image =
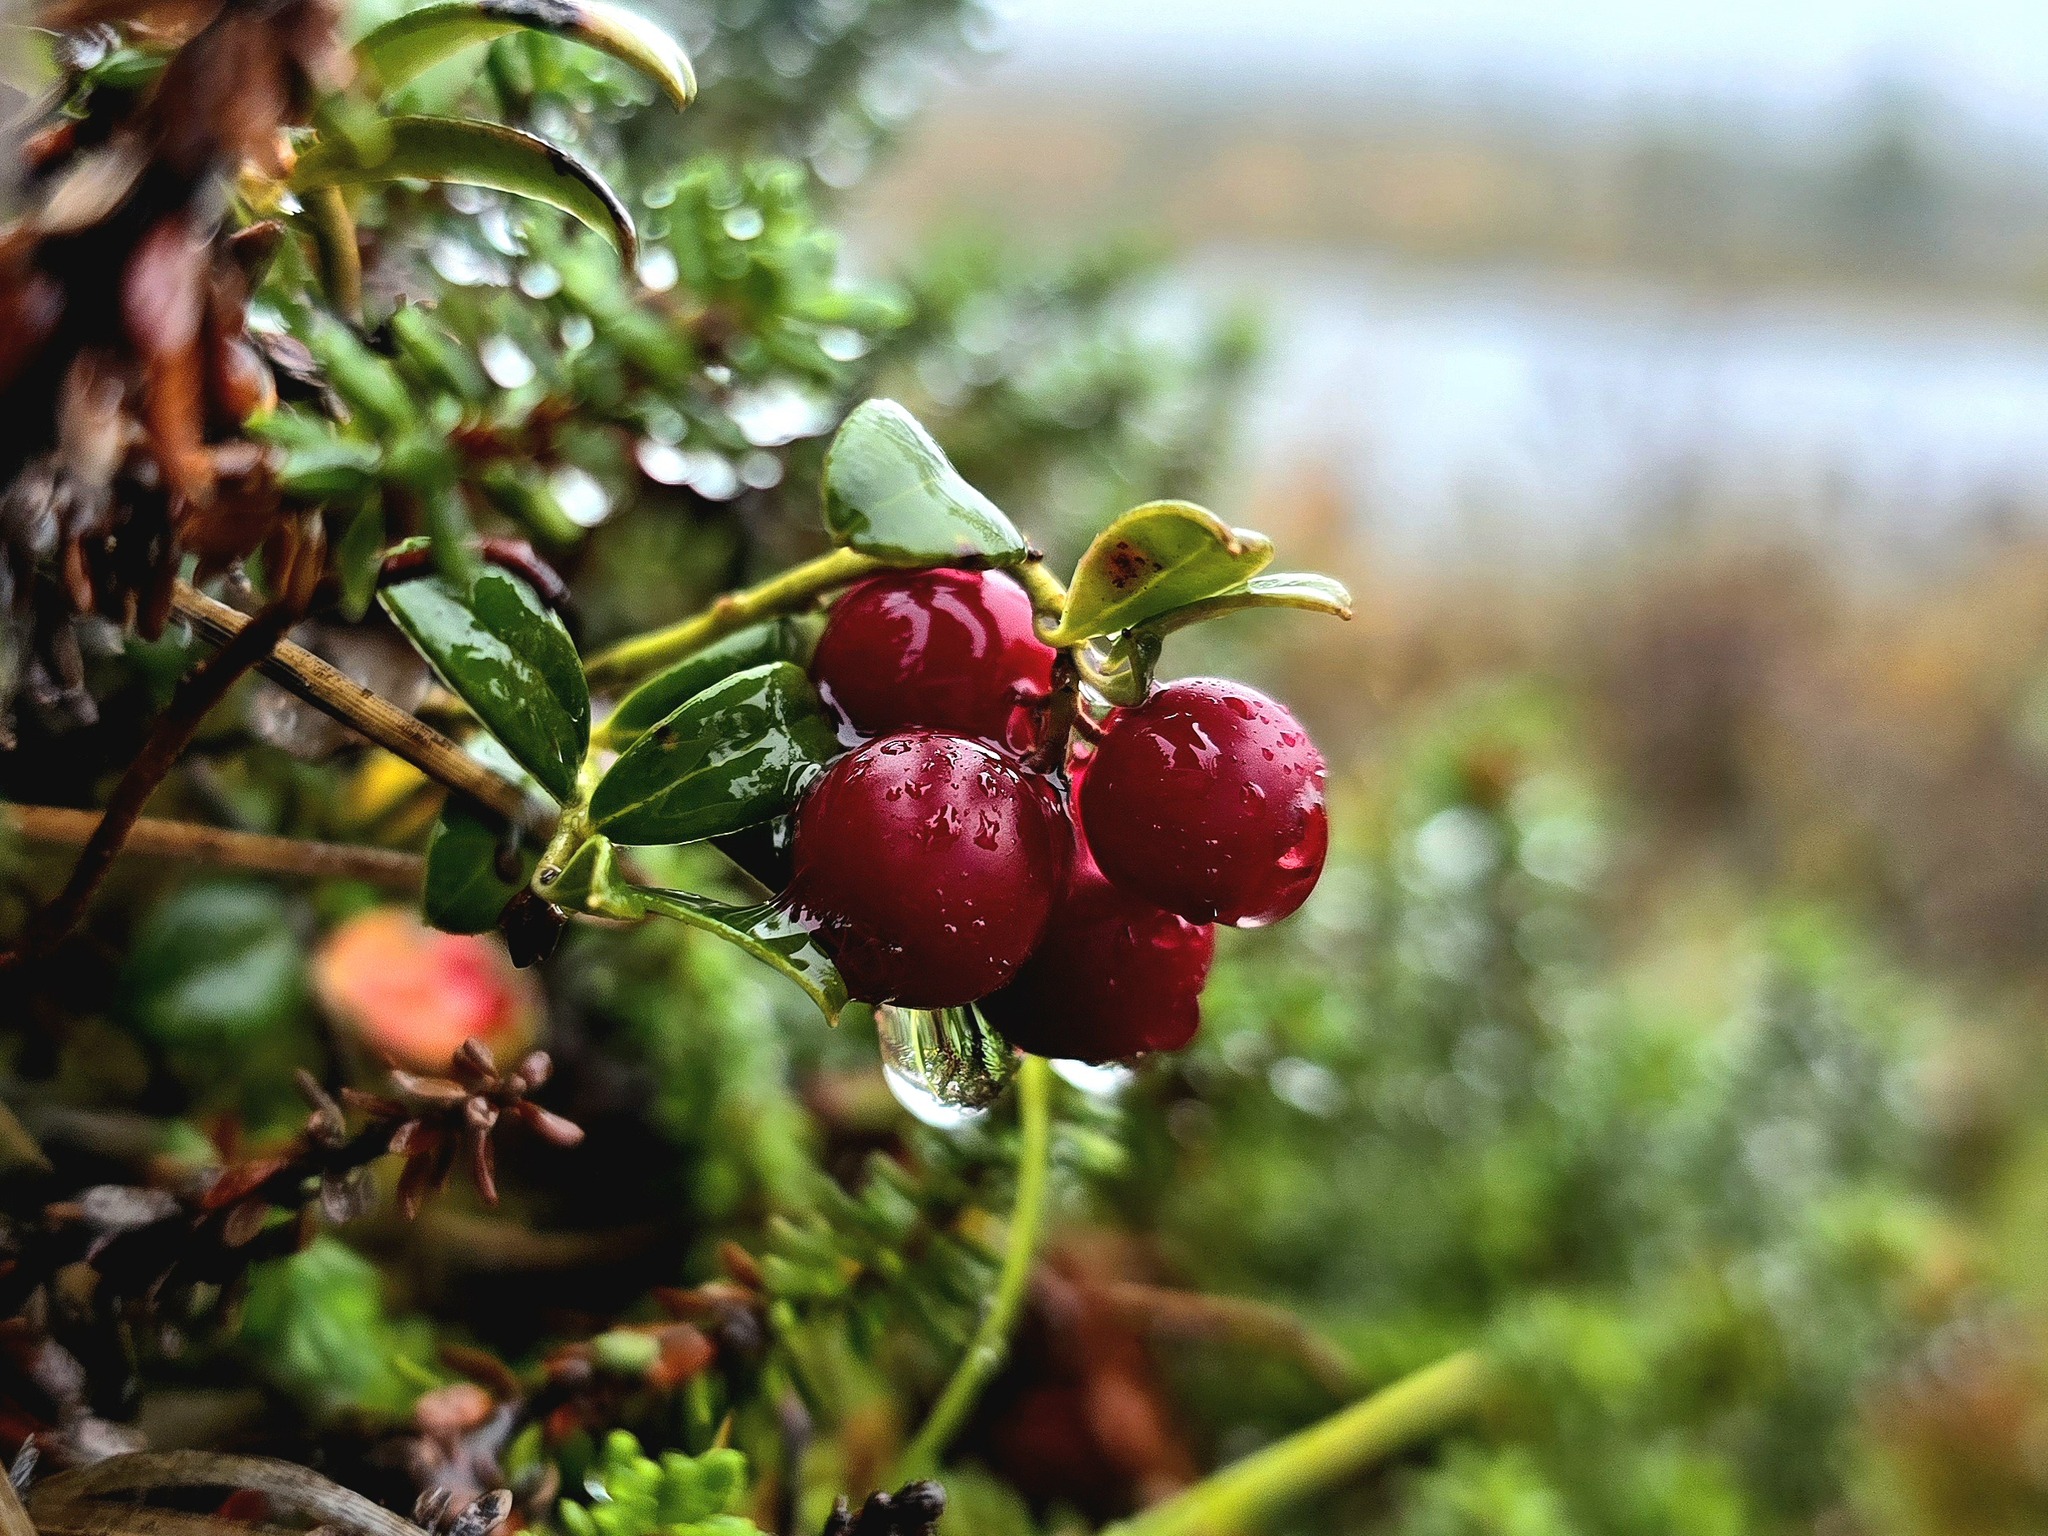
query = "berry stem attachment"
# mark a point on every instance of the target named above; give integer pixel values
(1047, 592)
(793, 590)
(991, 1344)
(1247, 1494)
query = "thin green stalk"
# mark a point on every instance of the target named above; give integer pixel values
(334, 239)
(1244, 1496)
(1047, 592)
(991, 1343)
(795, 589)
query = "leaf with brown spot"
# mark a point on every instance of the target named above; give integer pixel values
(1152, 560)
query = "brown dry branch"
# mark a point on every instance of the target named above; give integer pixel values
(96, 1517)
(377, 720)
(168, 738)
(290, 1489)
(155, 837)
(1197, 1315)
(145, 1246)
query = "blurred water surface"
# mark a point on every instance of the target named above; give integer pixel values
(1523, 415)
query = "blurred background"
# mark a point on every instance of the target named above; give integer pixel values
(1541, 284)
(1671, 387)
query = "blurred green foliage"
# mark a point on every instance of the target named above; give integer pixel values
(636, 1495)
(1663, 1153)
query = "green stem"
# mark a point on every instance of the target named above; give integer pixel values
(1245, 1495)
(334, 239)
(991, 1343)
(1047, 592)
(796, 588)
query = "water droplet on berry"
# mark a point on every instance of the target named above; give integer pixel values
(945, 1067)
(925, 1106)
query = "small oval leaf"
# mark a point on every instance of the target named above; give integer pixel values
(1155, 558)
(465, 890)
(891, 493)
(1310, 591)
(504, 654)
(768, 933)
(662, 694)
(736, 754)
(408, 45)
(475, 154)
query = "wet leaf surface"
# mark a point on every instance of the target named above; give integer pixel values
(1152, 560)
(505, 655)
(738, 753)
(890, 492)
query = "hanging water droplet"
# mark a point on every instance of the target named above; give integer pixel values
(925, 1106)
(947, 1064)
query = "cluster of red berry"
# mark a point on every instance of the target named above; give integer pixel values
(939, 868)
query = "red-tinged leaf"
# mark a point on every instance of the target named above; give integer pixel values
(550, 1127)
(483, 1163)
(238, 1181)
(429, 1090)
(453, 1410)
(685, 1353)
(244, 1222)
(474, 1062)
(375, 1105)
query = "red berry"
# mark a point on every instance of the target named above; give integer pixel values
(1208, 799)
(928, 864)
(932, 650)
(1114, 976)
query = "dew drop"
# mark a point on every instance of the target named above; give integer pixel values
(933, 1066)
(924, 1105)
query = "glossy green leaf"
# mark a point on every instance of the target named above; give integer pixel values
(1306, 590)
(768, 933)
(658, 697)
(505, 655)
(437, 357)
(476, 154)
(410, 44)
(366, 381)
(465, 888)
(736, 754)
(1152, 560)
(890, 492)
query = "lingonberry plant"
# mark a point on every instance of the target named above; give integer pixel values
(883, 734)
(525, 435)
(927, 863)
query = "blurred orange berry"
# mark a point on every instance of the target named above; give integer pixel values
(413, 995)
